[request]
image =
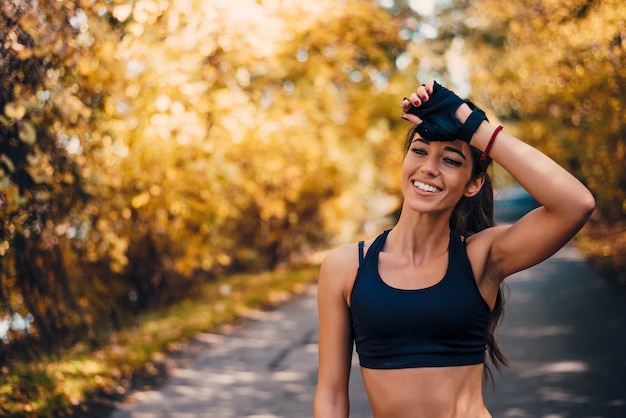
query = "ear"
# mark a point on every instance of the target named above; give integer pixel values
(474, 186)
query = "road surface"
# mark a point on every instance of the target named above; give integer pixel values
(564, 332)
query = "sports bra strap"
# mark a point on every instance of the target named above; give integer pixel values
(361, 245)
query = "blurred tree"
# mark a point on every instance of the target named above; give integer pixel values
(557, 68)
(39, 181)
(222, 142)
(148, 145)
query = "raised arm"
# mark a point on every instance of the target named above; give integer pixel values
(335, 333)
(566, 203)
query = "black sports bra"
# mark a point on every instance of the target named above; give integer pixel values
(442, 325)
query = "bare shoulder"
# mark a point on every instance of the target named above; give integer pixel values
(339, 268)
(341, 261)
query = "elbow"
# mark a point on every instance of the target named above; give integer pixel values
(586, 205)
(589, 204)
(328, 411)
(329, 404)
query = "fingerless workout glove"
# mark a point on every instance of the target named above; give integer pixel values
(440, 123)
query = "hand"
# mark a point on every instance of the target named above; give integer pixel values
(437, 110)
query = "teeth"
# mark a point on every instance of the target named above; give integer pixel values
(426, 187)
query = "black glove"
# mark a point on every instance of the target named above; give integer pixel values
(440, 123)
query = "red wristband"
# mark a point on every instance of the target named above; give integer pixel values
(490, 143)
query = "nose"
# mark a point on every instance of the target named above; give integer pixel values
(430, 166)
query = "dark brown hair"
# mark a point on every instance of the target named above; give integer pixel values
(472, 215)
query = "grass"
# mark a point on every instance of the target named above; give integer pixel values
(62, 383)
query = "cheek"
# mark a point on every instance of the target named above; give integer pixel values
(406, 165)
(460, 181)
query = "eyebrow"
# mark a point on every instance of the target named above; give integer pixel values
(456, 150)
(447, 148)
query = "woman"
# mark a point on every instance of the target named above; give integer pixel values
(422, 300)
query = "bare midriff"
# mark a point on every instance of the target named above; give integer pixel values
(426, 392)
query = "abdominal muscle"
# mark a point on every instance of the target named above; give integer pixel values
(426, 392)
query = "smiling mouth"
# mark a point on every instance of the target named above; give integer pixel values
(426, 187)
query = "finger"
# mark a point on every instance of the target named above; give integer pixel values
(406, 104)
(429, 87)
(415, 120)
(415, 100)
(422, 93)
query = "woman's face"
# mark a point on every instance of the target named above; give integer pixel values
(436, 175)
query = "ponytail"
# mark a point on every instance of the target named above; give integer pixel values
(472, 215)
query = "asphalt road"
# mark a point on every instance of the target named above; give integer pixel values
(564, 332)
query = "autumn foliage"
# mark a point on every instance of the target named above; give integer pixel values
(148, 146)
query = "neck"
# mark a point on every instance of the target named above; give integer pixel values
(419, 234)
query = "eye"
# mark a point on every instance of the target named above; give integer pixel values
(453, 162)
(419, 151)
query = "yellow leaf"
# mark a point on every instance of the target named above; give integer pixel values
(140, 200)
(14, 110)
(28, 134)
(8, 163)
(122, 12)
